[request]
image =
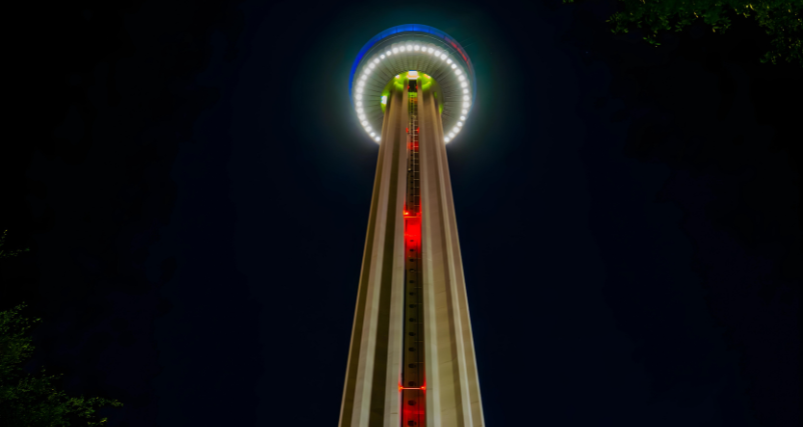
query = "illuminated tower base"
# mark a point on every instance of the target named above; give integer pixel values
(411, 361)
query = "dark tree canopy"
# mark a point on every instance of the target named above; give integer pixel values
(34, 400)
(782, 19)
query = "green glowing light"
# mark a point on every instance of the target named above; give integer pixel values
(425, 84)
(425, 81)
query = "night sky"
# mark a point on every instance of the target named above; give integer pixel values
(195, 187)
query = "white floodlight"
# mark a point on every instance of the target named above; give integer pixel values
(395, 50)
(373, 134)
(362, 117)
(359, 110)
(359, 103)
(461, 78)
(365, 122)
(382, 56)
(388, 53)
(409, 48)
(453, 65)
(416, 47)
(459, 124)
(465, 91)
(429, 50)
(448, 61)
(377, 138)
(462, 117)
(465, 111)
(464, 84)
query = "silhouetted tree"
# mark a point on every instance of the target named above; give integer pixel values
(782, 19)
(3, 253)
(33, 400)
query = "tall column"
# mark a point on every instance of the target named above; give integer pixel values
(371, 395)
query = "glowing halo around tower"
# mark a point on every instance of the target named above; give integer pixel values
(406, 48)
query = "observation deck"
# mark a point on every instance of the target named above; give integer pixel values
(405, 48)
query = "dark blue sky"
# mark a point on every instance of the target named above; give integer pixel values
(194, 188)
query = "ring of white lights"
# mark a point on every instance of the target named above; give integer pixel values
(388, 61)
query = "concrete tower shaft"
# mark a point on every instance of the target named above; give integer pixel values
(411, 360)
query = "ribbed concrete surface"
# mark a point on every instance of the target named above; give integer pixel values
(371, 397)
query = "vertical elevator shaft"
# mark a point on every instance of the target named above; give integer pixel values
(412, 381)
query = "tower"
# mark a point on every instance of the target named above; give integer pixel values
(411, 361)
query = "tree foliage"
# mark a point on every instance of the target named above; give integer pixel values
(33, 400)
(3, 253)
(782, 19)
